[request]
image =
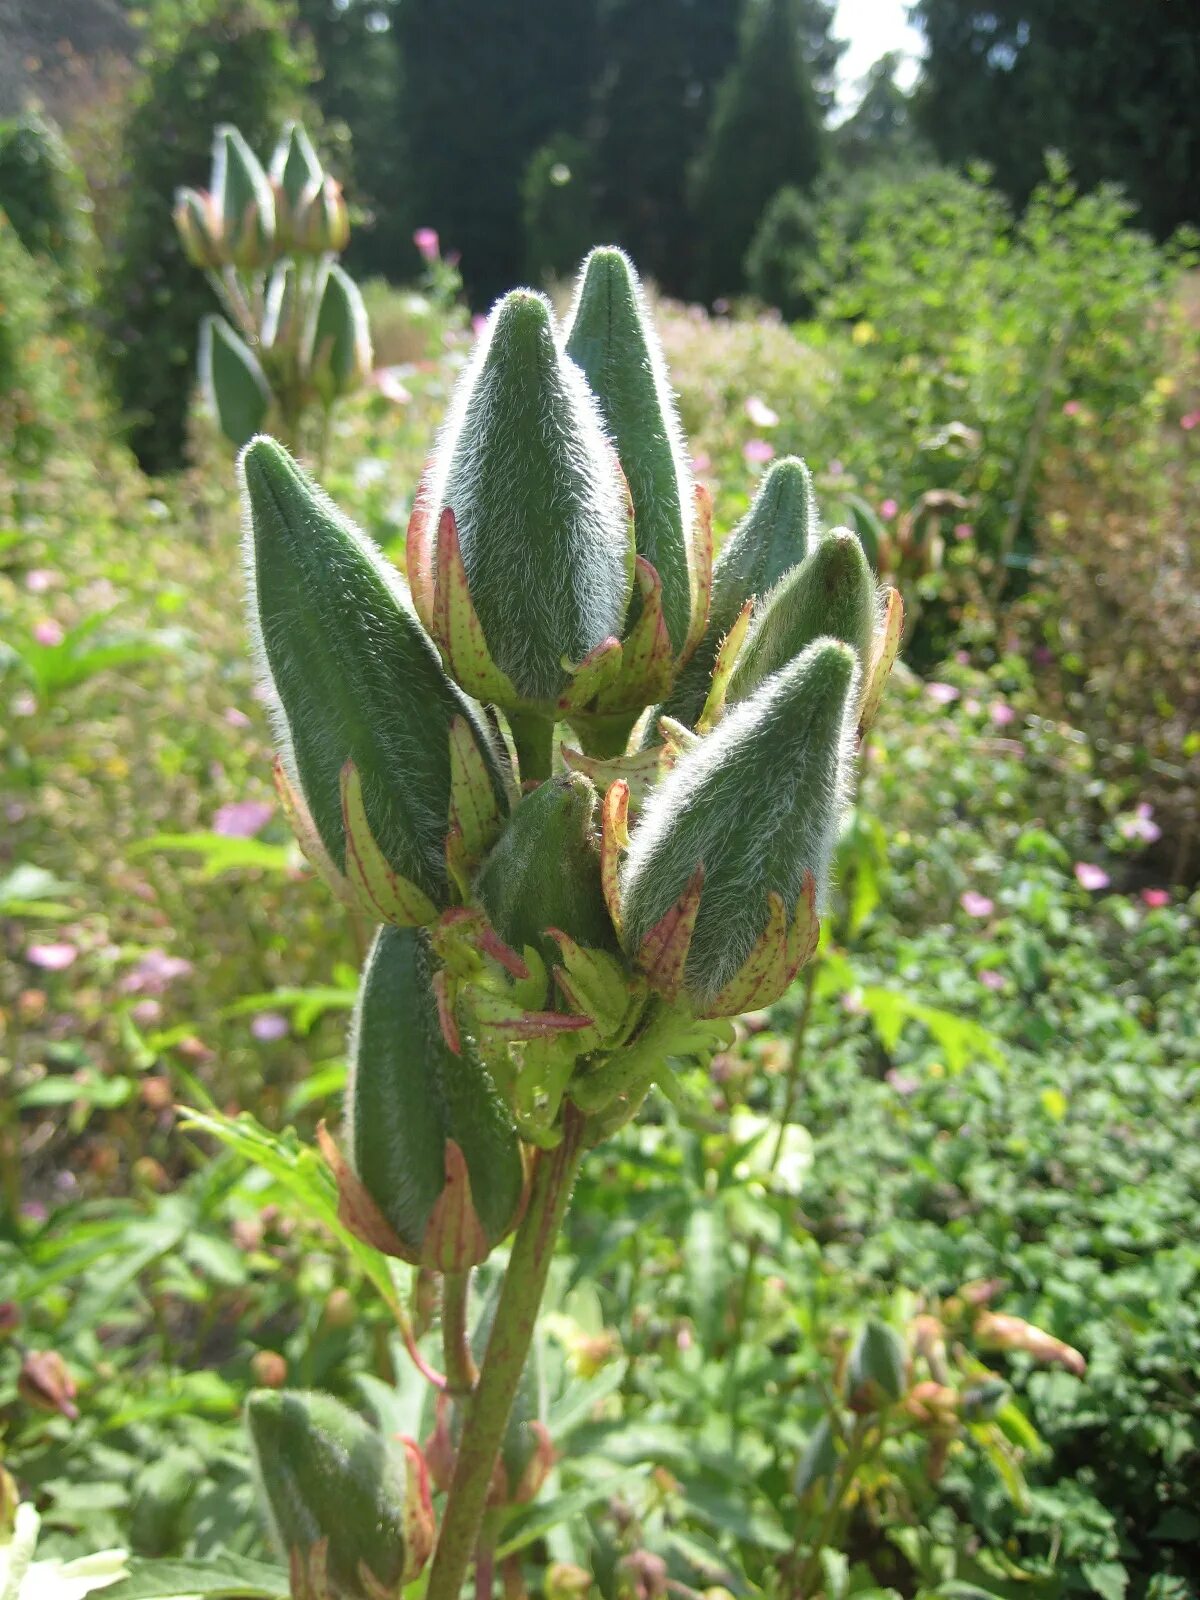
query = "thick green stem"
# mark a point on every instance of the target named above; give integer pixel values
(504, 1361)
(534, 739)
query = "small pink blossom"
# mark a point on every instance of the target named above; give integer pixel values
(24, 704)
(1072, 408)
(963, 658)
(835, 469)
(236, 718)
(1001, 713)
(428, 243)
(146, 1012)
(976, 904)
(153, 972)
(47, 631)
(757, 452)
(478, 325)
(991, 979)
(242, 819)
(702, 462)
(40, 579)
(942, 694)
(971, 707)
(1043, 656)
(1156, 899)
(760, 413)
(902, 1082)
(51, 957)
(1089, 876)
(388, 383)
(1140, 824)
(1190, 420)
(888, 509)
(963, 531)
(268, 1025)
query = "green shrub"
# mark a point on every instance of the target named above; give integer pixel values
(26, 371)
(209, 61)
(42, 190)
(780, 260)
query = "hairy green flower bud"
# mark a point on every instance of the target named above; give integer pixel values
(545, 871)
(296, 177)
(199, 227)
(877, 1368)
(539, 510)
(830, 594)
(776, 533)
(233, 381)
(243, 199)
(427, 1134)
(748, 813)
(338, 346)
(353, 676)
(611, 336)
(324, 223)
(351, 1511)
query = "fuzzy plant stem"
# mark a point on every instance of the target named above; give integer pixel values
(504, 1360)
(533, 737)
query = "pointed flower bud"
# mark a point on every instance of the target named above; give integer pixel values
(831, 594)
(296, 178)
(243, 199)
(199, 228)
(611, 336)
(350, 1511)
(354, 680)
(545, 871)
(338, 347)
(520, 554)
(233, 380)
(718, 886)
(323, 225)
(430, 1143)
(877, 1369)
(776, 534)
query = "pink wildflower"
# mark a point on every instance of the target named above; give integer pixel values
(976, 904)
(1072, 408)
(888, 509)
(1089, 876)
(963, 531)
(757, 451)
(40, 579)
(242, 819)
(387, 381)
(1190, 420)
(1140, 824)
(51, 957)
(942, 694)
(428, 243)
(48, 632)
(236, 718)
(702, 462)
(1156, 899)
(991, 979)
(153, 972)
(268, 1025)
(1001, 713)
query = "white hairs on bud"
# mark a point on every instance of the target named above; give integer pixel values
(591, 579)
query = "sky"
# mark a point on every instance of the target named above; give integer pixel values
(872, 27)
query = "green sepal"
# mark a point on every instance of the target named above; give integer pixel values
(297, 175)
(776, 534)
(749, 812)
(427, 1136)
(199, 227)
(337, 351)
(544, 871)
(831, 594)
(354, 675)
(539, 505)
(345, 1505)
(233, 381)
(611, 336)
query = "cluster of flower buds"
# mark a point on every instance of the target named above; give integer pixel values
(247, 219)
(568, 913)
(295, 332)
